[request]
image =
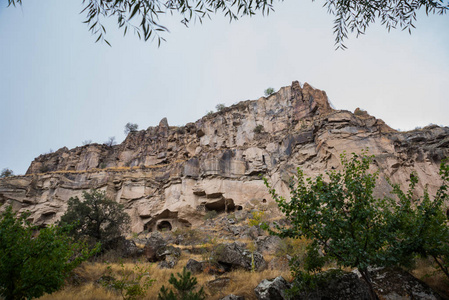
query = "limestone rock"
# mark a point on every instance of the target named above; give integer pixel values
(236, 256)
(167, 177)
(395, 283)
(272, 289)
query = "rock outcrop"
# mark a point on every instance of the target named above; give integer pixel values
(169, 177)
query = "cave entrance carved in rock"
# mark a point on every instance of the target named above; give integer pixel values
(164, 226)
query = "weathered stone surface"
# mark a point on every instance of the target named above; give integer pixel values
(154, 244)
(218, 283)
(272, 289)
(194, 266)
(236, 256)
(233, 297)
(171, 175)
(395, 283)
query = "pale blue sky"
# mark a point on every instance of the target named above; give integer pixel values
(58, 88)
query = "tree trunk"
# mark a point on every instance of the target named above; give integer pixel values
(367, 278)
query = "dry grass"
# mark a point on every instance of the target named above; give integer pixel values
(425, 270)
(242, 282)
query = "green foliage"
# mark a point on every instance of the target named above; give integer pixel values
(211, 214)
(133, 284)
(220, 106)
(356, 16)
(257, 218)
(142, 16)
(6, 173)
(184, 288)
(258, 129)
(35, 262)
(130, 127)
(339, 216)
(421, 224)
(97, 218)
(269, 91)
(349, 226)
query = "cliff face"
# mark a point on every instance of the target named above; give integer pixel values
(169, 176)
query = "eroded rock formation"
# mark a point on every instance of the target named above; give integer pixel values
(170, 176)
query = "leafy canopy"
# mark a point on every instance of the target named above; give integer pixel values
(32, 261)
(344, 221)
(97, 218)
(142, 16)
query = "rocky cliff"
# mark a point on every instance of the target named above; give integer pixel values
(170, 176)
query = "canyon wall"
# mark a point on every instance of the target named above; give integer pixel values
(170, 176)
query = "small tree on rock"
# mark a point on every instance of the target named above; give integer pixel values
(131, 127)
(6, 173)
(269, 91)
(97, 218)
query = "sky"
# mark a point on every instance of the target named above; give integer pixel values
(59, 88)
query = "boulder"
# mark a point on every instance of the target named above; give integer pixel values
(335, 285)
(165, 251)
(268, 243)
(169, 262)
(272, 289)
(194, 266)
(218, 283)
(233, 297)
(236, 256)
(154, 244)
(395, 283)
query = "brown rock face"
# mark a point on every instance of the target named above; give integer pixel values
(169, 176)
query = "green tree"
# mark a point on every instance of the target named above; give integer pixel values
(184, 286)
(142, 16)
(420, 224)
(130, 127)
(220, 106)
(340, 216)
(6, 173)
(269, 91)
(32, 261)
(97, 218)
(343, 220)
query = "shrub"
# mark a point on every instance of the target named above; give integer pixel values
(257, 218)
(87, 142)
(111, 141)
(184, 288)
(211, 214)
(258, 129)
(220, 106)
(269, 91)
(132, 284)
(6, 173)
(30, 264)
(130, 127)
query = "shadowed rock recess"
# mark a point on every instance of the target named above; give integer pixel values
(169, 177)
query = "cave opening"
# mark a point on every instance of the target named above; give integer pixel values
(164, 226)
(222, 205)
